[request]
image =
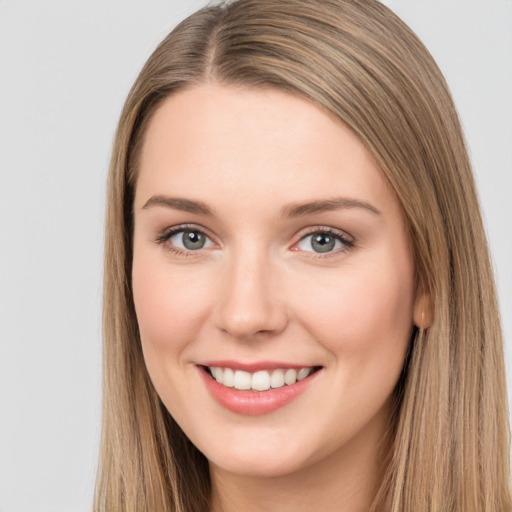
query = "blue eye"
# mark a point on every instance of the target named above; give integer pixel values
(189, 240)
(323, 242)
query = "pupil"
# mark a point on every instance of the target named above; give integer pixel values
(193, 240)
(323, 243)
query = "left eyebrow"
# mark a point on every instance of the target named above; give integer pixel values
(179, 203)
(327, 205)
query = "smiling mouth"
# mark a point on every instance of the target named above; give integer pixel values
(262, 380)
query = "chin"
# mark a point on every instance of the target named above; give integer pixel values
(264, 454)
(261, 465)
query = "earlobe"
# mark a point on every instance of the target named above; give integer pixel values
(423, 313)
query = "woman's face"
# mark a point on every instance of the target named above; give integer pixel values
(268, 244)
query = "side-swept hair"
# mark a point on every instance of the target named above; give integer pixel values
(363, 65)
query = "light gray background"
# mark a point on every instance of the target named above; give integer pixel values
(65, 69)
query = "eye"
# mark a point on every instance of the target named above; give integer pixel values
(184, 240)
(189, 240)
(322, 242)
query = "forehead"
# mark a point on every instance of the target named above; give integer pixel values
(225, 141)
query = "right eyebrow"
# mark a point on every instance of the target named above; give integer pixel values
(179, 203)
(326, 205)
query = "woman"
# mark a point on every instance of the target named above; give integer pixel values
(299, 306)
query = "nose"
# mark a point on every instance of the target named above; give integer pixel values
(251, 303)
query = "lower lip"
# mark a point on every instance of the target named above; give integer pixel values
(254, 403)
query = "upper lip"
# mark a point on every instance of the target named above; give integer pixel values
(254, 366)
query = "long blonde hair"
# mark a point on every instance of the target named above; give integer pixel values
(359, 62)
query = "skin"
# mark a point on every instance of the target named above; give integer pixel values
(258, 291)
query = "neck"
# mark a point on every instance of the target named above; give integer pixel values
(345, 481)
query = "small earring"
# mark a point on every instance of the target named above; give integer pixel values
(423, 326)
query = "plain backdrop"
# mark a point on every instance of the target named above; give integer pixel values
(65, 69)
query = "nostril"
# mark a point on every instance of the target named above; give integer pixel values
(253, 323)
(251, 304)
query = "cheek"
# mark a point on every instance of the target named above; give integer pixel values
(360, 311)
(170, 309)
(169, 305)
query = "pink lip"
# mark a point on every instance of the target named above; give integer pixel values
(254, 403)
(252, 367)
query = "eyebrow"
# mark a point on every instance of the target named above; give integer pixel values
(327, 205)
(179, 203)
(290, 210)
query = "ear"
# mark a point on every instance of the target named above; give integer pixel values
(423, 310)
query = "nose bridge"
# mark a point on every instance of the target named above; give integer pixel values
(250, 302)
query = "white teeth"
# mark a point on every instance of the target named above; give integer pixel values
(277, 379)
(228, 377)
(290, 377)
(217, 374)
(260, 380)
(242, 380)
(303, 373)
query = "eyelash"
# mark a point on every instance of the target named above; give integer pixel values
(347, 241)
(167, 234)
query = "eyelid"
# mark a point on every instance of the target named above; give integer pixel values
(346, 239)
(339, 233)
(172, 230)
(163, 238)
